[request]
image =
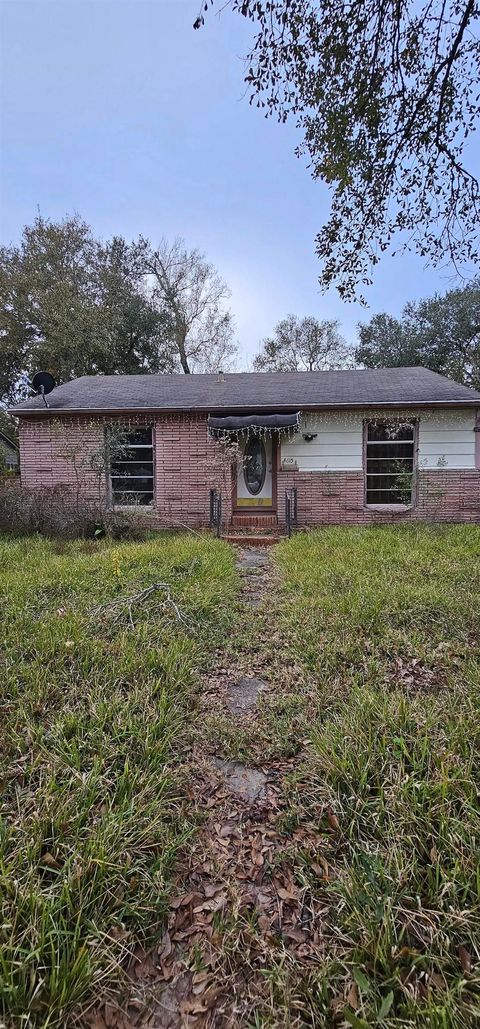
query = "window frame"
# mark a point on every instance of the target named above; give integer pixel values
(394, 506)
(112, 504)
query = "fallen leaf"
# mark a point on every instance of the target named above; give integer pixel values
(295, 934)
(225, 830)
(48, 859)
(320, 869)
(212, 888)
(290, 894)
(332, 819)
(199, 987)
(353, 997)
(165, 948)
(214, 904)
(185, 900)
(465, 959)
(192, 1007)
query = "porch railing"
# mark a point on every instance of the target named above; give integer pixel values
(291, 509)
(216, 511)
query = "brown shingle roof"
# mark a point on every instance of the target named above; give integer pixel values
(243, 391)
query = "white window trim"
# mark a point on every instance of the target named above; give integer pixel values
(414, 498)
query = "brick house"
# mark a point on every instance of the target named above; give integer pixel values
(358, 447)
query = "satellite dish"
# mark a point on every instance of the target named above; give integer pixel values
(43, 383)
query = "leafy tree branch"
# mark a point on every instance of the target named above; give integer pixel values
(386, 95)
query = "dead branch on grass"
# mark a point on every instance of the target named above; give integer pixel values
(124, 605)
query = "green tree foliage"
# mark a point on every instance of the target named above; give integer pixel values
(7, 425)
(303, 344)
(440, 332)
(386, 95)
(76, 306)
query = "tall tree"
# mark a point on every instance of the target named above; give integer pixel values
(386, 95)
(303, 344)
(440, 332)
(138, 331)
(75, 306)
(7, 425)
(192, 295)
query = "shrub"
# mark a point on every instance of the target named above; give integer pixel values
(55, 512)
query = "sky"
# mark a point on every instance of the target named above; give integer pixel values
(119, 111)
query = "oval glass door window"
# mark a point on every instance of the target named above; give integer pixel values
(254, 465)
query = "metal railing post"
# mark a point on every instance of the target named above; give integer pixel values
(216, 511)
(219, 515)
(291, 510)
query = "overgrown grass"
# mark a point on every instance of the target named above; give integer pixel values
(90, 716)
(372, 649)
(385, 623)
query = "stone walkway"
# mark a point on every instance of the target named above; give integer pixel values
(234, 870)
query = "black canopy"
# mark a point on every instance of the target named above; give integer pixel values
(240, 423)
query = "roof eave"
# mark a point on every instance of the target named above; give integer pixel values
(49, 412)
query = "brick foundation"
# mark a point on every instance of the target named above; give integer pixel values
(337, 498)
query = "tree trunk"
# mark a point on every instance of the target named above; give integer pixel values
(180, 337)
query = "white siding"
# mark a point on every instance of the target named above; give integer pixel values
(338, 445)
(446, 440)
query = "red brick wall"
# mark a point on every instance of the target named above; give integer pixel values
(188, 464)
(55, 452)
(329, 498)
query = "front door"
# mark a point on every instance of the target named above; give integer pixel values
(254, 476)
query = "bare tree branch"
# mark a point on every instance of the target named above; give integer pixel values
(124, 605)
(193, 295)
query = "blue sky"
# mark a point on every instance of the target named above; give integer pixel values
(118, 110)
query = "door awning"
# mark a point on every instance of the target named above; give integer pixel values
(253, 423)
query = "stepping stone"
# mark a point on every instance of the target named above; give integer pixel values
(252, 559)
(243, 695)
(247, 783)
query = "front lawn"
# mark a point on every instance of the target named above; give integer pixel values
(91, 714)
(368, 730)
(385, 624)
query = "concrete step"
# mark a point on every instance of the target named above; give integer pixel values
(247, 540)
(254, 521)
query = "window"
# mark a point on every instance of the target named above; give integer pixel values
(131, 467)
(390, 462)
(254, 465)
